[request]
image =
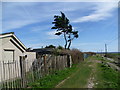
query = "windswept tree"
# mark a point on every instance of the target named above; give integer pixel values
(63, 26)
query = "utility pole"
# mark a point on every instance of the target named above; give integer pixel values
(105, 50)
(101, 53)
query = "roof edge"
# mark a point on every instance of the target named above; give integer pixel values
(7, 33)
(14, 36)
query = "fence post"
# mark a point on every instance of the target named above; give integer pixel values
(69, 61)
(44, 58)
(22, 68)
(3, 74)
(1, 85)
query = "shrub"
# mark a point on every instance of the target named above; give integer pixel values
(76, 55)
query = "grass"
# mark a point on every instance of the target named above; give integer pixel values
(101, 59)
(114, 56)
(50, 81)
(78, 74)
(106, 77)
(79, 78)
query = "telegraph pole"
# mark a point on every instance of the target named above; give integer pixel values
(101, 53)
(105, 50)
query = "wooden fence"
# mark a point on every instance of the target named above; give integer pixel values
(20, 73)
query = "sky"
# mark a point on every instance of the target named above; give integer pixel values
(96, 22)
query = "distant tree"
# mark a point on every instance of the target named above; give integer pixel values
(50, 46)
(61, 23)
(60, 47)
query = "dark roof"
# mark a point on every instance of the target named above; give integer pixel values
(7, 33)
(43, 50)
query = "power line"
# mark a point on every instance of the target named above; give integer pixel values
(113, 40)
(110, 43)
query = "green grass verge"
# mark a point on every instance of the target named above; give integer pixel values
(106, 77)
(101, 59)
(50, 81)
(113, 55)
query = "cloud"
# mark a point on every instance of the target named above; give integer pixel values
(40, 28)
(38, 45)
(14, 24)
(100, 12)
(17, 15)
(51, 35)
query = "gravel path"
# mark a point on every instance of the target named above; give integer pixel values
(92, 79)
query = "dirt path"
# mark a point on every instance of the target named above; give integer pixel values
(79, 78)
(91, 80)
(87, 75)
(63, 81)
(84, 77)
(92, 76)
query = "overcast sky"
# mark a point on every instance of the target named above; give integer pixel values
(97, 23)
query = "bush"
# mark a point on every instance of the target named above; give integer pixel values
(60, 47)
(76, 55)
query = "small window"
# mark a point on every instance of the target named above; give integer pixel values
(8, 56)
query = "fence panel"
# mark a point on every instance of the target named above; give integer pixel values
(20, 73)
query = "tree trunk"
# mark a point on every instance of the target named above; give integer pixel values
(65, 40)
(69, 44)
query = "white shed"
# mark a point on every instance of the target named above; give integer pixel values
(11, 49)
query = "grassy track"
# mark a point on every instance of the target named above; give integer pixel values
(102, 75)
(88, 74)
(50, 81)
(78, 79)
